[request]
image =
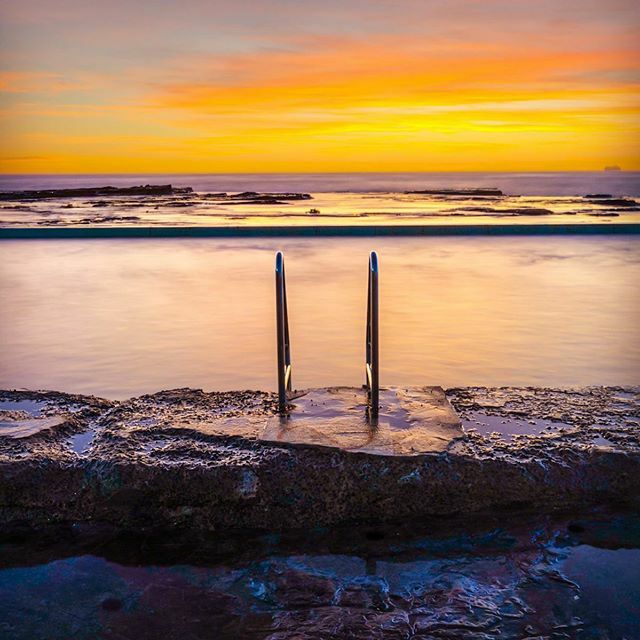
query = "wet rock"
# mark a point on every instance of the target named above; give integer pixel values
(454, 578)
(334, 622)
(174, 609)
(614, 202)
(513, 211)
(410, 422)
(187, 458)
(253, 196)
(458, 192)
(88, 192)
(289, 588)
(367, 592)
(111, 604)
(14, 425)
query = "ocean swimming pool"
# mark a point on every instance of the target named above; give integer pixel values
(120, 317)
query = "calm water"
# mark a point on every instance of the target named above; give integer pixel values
(618, 183)
(123, 317)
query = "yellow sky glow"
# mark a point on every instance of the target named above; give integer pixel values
(384, 102)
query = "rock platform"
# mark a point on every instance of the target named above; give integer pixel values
(225, 460)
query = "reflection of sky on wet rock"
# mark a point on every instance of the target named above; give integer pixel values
(530, 579)
(81, 442)
(32, 407)
(498, 426)
(546, 422)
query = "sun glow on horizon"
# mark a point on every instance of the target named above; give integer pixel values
(346, 87)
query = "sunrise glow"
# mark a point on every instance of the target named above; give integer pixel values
(281, 86)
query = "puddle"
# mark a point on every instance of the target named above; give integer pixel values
(338, 403)
(149, 447)
(32, 407)
(507, 427)
(534, 578)
(626, 395)
(601, 441)
(26, 428)
(81, 442)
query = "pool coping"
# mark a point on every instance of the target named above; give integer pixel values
(311, 231)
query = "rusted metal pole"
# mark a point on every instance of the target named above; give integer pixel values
(372, 347)
(282, 322)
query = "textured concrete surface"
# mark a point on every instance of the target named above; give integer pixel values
(410, 421)
(186, 458)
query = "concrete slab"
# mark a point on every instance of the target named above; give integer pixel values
(412, 421)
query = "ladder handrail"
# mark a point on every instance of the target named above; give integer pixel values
(372, 362)
(284, 347)
(372, 359)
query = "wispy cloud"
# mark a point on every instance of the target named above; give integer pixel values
(415, 84)
(37, 82)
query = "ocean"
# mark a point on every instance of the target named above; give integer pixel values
(618, 183)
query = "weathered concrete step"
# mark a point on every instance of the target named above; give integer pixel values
(411, 421)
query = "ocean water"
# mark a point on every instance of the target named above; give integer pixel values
(121, 317)
(618, 183)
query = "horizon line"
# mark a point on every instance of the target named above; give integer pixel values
(259, 173)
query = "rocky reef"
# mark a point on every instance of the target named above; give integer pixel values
(206, 461)
(151, 191)
(480, 191)
(92, 192)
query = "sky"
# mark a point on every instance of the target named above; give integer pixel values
(334, 85)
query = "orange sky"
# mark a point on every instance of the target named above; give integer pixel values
(278, 85)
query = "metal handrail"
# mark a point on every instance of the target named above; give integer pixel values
(372, 362)
(284, 348)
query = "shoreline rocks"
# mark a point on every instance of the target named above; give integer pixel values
(186, 458)
(92, 192)
(458, 192)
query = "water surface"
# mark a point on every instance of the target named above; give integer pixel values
(124, 317)
(535, 578)
(532, 183)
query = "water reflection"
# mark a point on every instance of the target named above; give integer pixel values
(123, 317)
(535, 577)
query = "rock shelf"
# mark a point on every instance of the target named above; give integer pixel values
(92, 192)
(213, 461)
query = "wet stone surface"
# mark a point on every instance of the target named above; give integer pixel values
(410, 421)
(519, 423)
(191, 458)
(564, 577)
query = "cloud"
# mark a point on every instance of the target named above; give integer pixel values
(409, 75)
(39, 82)
(276, 84)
